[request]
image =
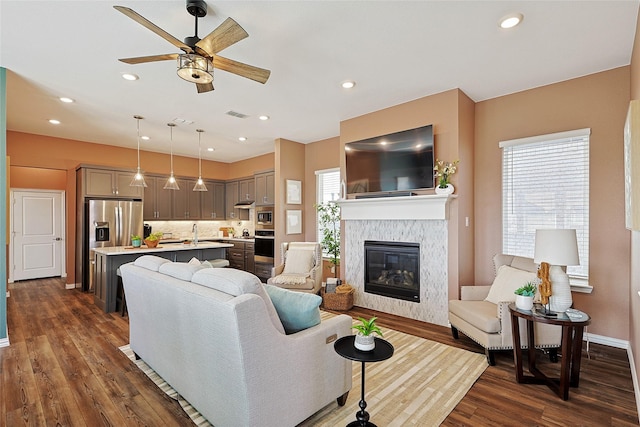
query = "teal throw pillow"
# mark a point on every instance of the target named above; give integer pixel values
(297, 310)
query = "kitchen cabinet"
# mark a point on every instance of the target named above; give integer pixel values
(240, 256)
(213, 201)
(98, 182)
(186, 202)
(263, 271)
(231, 198)
(246, 190)
(157, 200)
(265, 188)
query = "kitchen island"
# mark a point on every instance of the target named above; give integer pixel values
(109, 259)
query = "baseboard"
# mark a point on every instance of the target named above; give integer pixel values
(634, 377)
(4, 342)
(601, 339)
(72, 285)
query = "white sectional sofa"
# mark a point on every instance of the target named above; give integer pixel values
(215, 337)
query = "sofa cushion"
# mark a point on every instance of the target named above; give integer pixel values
(481, 314)
(180, 270)
(297, 310)
(194, 261)
(236, 282)
(150, 262)
(507, 280)
(298, 261)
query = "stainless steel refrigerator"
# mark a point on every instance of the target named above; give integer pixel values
(107, 223)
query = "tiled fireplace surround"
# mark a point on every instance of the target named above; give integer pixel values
(413, 219)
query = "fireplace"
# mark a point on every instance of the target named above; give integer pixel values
(392, 269)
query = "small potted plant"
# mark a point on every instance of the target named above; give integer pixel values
(152, 239)
(136, 240)
(443, 171)
(524, 296)
(364, 340)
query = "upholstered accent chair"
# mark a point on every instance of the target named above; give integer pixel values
(482, 313)
(301, 269)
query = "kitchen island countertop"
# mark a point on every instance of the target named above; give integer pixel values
(162, 247)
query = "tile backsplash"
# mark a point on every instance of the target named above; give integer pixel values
(182, 229)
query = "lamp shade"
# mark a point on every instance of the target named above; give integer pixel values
(556, 247)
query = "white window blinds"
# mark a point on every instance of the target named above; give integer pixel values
(328, 189)
(545, 184)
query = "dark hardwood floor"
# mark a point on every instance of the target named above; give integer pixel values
(64, 368)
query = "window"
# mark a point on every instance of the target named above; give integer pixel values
(545, 184)
(328, 189)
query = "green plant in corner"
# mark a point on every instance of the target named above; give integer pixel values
(367, 327)
(528, 290)
(329, 223)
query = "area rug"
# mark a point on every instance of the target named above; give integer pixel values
(419, 386)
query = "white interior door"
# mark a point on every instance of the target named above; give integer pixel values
(37, 225)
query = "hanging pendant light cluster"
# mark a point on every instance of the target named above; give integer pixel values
(138, 178)
(199, 184)
(171, 184)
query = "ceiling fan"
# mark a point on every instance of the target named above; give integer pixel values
(200, 56)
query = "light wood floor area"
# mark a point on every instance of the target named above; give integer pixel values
(63, 367)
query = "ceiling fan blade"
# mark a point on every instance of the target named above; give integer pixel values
(204, 87)
(152, 58)
(227, 33)
(259, 75)
(153, 27)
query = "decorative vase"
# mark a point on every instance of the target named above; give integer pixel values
(364, 342)
(151, 243)
(449, 189)
(136, 243)
(524, 302)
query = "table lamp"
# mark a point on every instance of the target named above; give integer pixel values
(558, 248)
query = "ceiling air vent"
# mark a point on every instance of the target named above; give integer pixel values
(236, 114)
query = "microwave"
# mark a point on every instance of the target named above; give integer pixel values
(264, 217)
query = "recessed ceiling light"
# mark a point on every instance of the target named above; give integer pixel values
(130, 77)
(210, 149)
(67, 100)
(145, 137)
(348, 84)
(383, 142)
(242, 138)
(264, 117)
(54, 121)
(511, 20)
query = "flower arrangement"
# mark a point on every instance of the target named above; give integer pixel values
(444, 171)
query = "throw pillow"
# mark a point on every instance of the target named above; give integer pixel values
(194, 261)
(297, 310)
(150, 262)
(207, 264)
(507, 280)
(298, 261)
(180, 270)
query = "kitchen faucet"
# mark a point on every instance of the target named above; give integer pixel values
(194, 229)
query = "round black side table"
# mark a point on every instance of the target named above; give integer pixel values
(345, 348)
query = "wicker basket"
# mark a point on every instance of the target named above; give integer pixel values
(337, 301)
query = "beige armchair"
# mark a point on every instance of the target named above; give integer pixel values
(482, 313)
(301, 269)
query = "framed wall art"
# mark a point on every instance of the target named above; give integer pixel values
(294, 192)
(294, 221)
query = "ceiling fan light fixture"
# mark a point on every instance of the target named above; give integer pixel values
(195, 68)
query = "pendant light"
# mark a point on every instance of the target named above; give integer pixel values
(138, 179)
(171, 184)
(199, 184)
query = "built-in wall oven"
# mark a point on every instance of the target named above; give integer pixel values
(264, 235)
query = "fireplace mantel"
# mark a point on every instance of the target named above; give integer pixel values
(434, 207)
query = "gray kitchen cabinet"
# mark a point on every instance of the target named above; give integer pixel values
(100, 182)
(249, 252)
(231, 198)
(186, 202)
(246, 190)
(240, 256)
(213, 201)
(265, 188)
(157, 200)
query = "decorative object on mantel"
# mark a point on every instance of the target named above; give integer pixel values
(559, 248)
(524, 296)
(365, 340)
(171, 184)
(138, 178)
(199, 184)
(329, 221)
(443, 171)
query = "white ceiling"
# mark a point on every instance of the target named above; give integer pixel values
(396, 51)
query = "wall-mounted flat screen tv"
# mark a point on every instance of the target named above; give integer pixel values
(400, 161)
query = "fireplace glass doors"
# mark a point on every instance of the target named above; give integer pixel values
(392, 269)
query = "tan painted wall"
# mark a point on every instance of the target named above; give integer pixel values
(599, 102)
(38, 178)
(289, 164)
(248, 167)
(634, 262)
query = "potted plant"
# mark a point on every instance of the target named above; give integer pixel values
(136, 240)
(365, 340)
(329, 221)
(152, 239)
(443, 171)
(524, 296)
